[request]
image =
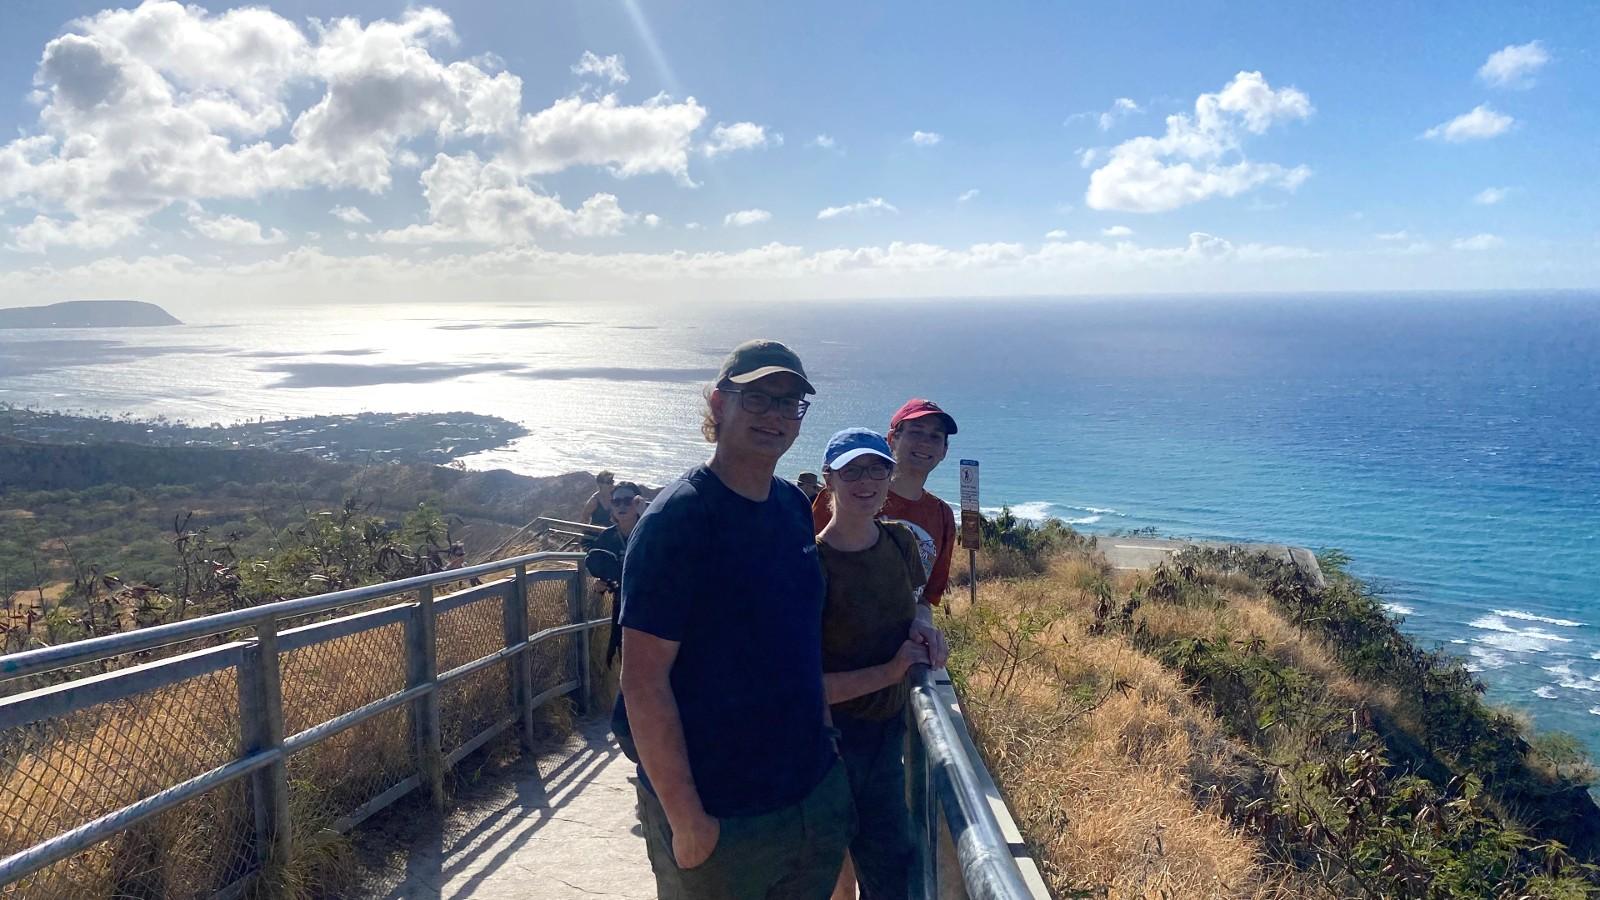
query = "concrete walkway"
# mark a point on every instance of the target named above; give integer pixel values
(1138, 554)
(570, 834)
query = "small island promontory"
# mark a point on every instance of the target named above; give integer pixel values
(88, 314)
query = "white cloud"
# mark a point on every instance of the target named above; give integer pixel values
(1480, 124)
(739, 136)
(926, 138)
(775, 270)
(875, 204)
(608, 67)
(1118, 231)
(1392, 236)
(746, 217)
(234, 230)
(1477, 242)
(651, 138)
(1055, 234)
(1187, 164)
(1087, 156)
(651, 220)
(89, 233)
(350, 215)
(967, 195)
(384, 88)
(166, 103)
(1122, 108)
(1514, 66)
(473, 201)
(692, 226)
(823, 141)
(1490, 196)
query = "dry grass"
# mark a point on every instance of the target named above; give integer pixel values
(1115, 772)
(66, 771)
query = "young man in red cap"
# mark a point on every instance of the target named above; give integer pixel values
(919, 434)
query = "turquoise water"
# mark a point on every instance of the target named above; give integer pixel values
(1448, 443)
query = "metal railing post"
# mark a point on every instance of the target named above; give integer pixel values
(261, 728)
(924, 812)
(521, 670)
(423, 662)
(576, 615)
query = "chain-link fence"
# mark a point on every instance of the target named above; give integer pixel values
(198, 773)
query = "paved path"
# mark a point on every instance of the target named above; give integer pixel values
(571, 834)
(1147, 553)
(1142, 553)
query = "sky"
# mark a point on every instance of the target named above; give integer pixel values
(329, 152)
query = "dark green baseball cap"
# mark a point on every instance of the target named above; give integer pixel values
(754, 360)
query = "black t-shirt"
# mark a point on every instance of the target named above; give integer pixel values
(602, 513)
(738, 585)
(610, 539)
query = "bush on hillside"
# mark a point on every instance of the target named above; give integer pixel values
(1014, 547)
(1371, 784)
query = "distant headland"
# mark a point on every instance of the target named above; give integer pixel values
(88, 314)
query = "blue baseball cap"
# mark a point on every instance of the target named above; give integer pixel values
(853, 442)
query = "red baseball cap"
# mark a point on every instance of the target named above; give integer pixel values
(916, 408)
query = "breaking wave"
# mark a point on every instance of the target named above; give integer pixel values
(1530, 617)
(1040, 510)
(1505, 636)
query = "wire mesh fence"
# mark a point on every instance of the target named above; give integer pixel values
(92, 751)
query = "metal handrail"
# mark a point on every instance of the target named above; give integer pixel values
(32, 662)
(264, 748)
(944, 779)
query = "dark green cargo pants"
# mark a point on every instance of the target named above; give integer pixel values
(794, 853)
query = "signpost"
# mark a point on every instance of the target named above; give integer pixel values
(970, 534)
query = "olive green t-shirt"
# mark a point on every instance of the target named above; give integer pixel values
(868, 612)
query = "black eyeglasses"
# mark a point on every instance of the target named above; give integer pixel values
(758, 403)
(624, 500)
(876, 471)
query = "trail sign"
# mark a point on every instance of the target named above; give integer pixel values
(969, 504)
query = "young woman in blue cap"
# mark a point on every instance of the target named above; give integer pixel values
(874, 572)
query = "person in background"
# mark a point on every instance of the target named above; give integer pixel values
(741, 790)
(873, 570)
(597, 509)
(919, 433)
(627, 502)
(808, 485)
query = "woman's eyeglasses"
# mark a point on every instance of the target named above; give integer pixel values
(757, 403)
(876, 472)
(624, 501)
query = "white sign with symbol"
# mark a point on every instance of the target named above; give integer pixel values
(969, 485)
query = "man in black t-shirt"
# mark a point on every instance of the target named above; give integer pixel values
(741, 792)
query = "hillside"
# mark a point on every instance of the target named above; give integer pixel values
(1222, 728)
(120, 509)
(88, 314)
(432, 438)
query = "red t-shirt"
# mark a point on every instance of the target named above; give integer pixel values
(929, 519)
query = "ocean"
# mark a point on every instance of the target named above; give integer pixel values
(1448, 443)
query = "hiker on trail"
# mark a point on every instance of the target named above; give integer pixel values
(808, 485)
(741, 792)
(873, 570)
(625, 505)
(627, 502)
(597, 509)
(919, 433)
